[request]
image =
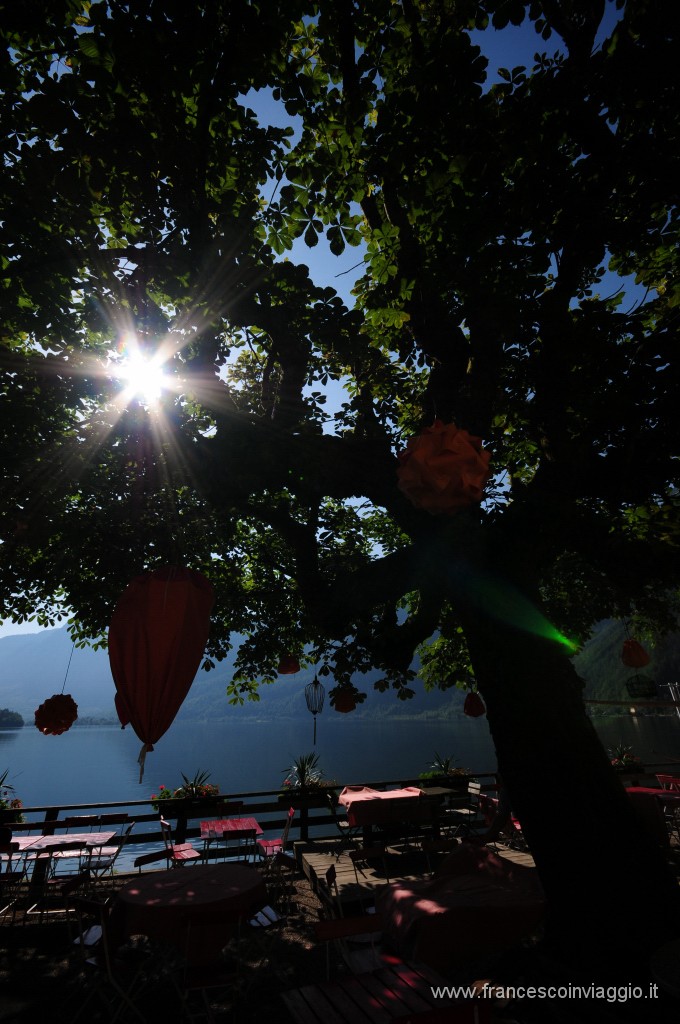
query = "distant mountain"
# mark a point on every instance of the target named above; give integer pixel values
(33, 666)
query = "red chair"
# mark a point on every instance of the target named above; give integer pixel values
(178, 854)
(268, 848)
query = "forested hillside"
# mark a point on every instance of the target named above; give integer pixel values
(34, 666)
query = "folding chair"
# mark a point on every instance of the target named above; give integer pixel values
(349, 835)
(109, 977)
(178, 854)
(468, 820)
(55, 895)
(328, 893)
(434, 847)
(12, 881)
(102, 859)
(268, 848)
(204, 968)
(46, 861)
(360, 956)
(279, 888)
(363, 856)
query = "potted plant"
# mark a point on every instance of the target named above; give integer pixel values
(10, 808)
(445, 767)
(624, 760)
(304, 785)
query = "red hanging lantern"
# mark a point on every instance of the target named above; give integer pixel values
(56, 715)
(288, 665)
(345, 698)
(474, 705)
(444, 469)
(157, 636)
(344, 702)
(634, 655)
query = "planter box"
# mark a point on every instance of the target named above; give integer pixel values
(201, 807)
(302, 800)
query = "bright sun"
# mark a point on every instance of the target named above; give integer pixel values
(143, 377)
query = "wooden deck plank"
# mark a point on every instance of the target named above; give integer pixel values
(316, 856)
(389, 989)
(399, 991)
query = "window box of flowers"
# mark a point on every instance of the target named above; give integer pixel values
(194, 797)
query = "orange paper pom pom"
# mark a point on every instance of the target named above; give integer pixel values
(56, 714)
(444, 469)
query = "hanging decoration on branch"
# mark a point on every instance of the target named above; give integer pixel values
(641, 688)
(314, 695)
(57, 714)
(288, 665)
(344, 698)
(634, 655)
(474, 705)
(443, 469)
(158, 632)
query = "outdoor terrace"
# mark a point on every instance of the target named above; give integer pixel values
(38, 972)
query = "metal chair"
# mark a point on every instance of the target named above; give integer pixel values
(178, 854)
(268, 848)
(363, 856)
(464, 821)
(103, 858)
(12, 881)
(53, 896)
(349, 835)
(107, 976)
(203, 968)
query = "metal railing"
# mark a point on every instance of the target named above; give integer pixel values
(269, 807)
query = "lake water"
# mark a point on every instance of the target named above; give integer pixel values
(100, 764)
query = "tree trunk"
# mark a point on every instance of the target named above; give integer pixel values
(608, 885)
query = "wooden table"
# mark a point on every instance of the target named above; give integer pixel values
(159, 904)
(396, 991)
(34, 844)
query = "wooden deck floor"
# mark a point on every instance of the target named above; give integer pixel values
(316, 856)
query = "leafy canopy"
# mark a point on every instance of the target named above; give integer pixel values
(146, 204)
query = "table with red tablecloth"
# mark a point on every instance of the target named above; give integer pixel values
(478, 903)
(366, 806)
(160, 904)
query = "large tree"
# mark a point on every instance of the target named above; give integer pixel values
(145, 204)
